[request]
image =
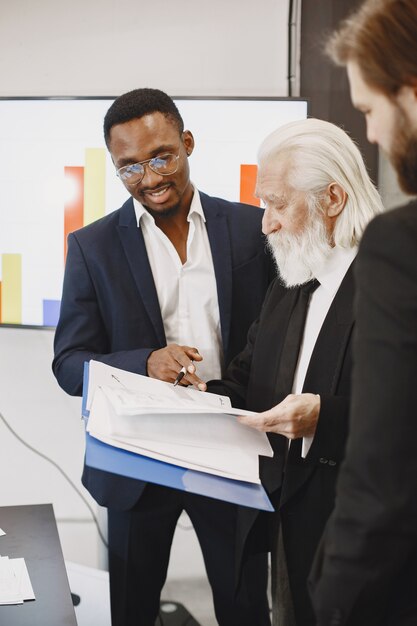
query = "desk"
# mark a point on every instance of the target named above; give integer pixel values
(31, 533)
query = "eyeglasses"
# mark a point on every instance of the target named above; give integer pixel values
(164, 165)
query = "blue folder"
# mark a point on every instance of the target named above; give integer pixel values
(118, 461)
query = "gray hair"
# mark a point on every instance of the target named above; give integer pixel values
(320, 153)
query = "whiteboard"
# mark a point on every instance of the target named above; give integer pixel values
(40, 138)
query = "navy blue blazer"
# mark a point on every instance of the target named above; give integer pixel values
(110, 310)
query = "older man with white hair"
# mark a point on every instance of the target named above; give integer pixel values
(318, 199)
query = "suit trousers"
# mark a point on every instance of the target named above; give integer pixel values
(282, 605)
(139, 547)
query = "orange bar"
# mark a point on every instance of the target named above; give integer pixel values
(74, 202)
(248, 175)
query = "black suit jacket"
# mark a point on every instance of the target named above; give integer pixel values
(110, 310)
(305, 493)
(366, 570)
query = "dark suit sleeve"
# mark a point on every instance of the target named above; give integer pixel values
(373, 530)
(81, 334)
(329, 441)
(235, 382)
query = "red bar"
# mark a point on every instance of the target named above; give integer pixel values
(248, 175)
(74, 202)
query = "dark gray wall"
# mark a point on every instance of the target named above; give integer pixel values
(325, 84)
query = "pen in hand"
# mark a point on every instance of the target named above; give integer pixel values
(180, 376)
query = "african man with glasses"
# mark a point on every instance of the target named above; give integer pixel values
(172, 279)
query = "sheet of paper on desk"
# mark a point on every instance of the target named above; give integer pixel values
(2, 532)
(172, 424)
(15, 585)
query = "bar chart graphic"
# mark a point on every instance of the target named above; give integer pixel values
(85, 190)
(57, 176)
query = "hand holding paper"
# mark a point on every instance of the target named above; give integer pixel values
(166, 363)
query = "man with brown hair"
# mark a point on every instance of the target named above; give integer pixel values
(365, 572)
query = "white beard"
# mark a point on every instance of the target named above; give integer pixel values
(298, 257)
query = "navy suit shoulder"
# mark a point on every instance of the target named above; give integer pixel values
(125, 215)
(243, 267)
(244, 228)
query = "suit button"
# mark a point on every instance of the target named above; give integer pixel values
(332, 462)
(323, 460)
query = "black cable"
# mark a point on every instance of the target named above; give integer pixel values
(290, 60)
(46, 458)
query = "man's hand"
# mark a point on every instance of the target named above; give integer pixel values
(294, 417)
(166, 363)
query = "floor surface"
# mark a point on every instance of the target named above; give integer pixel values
(91, 587)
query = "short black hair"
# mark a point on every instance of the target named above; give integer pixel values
(137, 103)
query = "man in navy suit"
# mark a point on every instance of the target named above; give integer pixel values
(172, 278)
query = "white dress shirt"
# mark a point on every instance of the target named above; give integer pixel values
(187, 294)
(330, 278)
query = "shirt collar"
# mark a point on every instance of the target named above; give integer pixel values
(331, 274)
(196, 208)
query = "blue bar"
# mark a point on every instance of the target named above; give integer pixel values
(51, 312)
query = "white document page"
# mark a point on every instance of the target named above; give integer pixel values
(15, 585)
(236, 462)
(155, 393)
(177, 425)
(205, 428)
(9, 587)
(22, 576)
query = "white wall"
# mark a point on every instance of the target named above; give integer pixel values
(48, 420)
(106, 47)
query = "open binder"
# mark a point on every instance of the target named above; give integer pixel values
(103, 455)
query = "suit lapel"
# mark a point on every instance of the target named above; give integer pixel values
(282, 319)
(323, 374)
(219, 238)
(270, 344)
(134, 247)
(327, 357)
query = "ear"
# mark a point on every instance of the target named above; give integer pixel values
(336, 199)
(407, 100)
(188, 141)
